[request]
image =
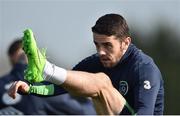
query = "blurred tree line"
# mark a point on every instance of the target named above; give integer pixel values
(164, 47)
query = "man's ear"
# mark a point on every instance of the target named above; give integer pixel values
(127, 41)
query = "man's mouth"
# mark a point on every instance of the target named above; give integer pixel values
(104, 59)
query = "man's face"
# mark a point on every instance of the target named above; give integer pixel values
(18, 56)
(110, 49)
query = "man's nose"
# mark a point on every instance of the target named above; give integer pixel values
(101, 51)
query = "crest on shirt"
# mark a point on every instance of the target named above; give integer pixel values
(123, 87)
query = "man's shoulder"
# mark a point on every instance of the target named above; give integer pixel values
(146, 67)
(87, 63)
(142, 62)
(136, 55)
(90, 58)
(142, 58)
(5, 78)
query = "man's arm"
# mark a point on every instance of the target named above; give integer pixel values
(147, 89)
(43, 89)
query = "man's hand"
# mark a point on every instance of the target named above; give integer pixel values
(18, 86)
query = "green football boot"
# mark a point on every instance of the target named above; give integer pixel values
(36, 59)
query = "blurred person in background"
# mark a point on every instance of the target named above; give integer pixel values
(34, 104)
(19, 105)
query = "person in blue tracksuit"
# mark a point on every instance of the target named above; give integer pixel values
(20, 104)
(136, 77)
(118, 61)
(33, 104)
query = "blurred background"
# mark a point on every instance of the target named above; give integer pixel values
(64, 28)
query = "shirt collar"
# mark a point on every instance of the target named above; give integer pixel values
(131, 48)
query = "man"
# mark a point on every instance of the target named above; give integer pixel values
(32, 104)
(118, 67)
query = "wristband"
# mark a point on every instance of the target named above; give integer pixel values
(41, 89)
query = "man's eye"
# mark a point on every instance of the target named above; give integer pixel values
(107, 45)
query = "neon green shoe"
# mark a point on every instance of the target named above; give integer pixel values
(36, 60)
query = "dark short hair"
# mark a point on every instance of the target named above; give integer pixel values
(17, 44)
(111, 24)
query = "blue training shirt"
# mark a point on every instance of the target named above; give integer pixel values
(136, 77)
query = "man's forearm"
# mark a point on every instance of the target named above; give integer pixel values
(44, 89)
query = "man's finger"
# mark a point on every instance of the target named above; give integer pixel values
(12, 90)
